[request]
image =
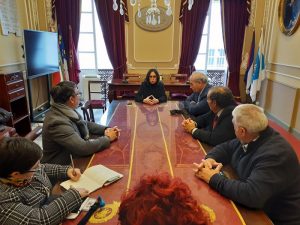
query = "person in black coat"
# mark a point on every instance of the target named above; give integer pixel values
(267, 167)
(214, 127)
(152, 91)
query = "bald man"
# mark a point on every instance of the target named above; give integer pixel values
(196, 103)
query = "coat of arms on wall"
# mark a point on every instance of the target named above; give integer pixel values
(289, 16)
(155, 22)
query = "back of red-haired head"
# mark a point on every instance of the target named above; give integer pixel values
(161, 200)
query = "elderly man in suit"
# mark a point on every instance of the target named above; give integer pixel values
(196, 103)
(216, 126)
(266, 165)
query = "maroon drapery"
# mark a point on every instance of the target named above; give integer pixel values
(234, 20)
(192, 27)
(68, 19)
(113, 29)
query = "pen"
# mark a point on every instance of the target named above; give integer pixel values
(72, 164)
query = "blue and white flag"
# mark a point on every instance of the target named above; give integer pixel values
(249, 70)
(63, 61)
(259, 70)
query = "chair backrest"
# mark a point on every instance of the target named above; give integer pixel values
(178, 78)
(97, 90)
(132, 77)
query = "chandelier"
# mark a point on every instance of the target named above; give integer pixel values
(152, 13)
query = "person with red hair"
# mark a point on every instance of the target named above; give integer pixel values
(161, 200)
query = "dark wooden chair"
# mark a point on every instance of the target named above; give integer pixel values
(130, 78)
(97, 99)
(85, 112)
(178, 78)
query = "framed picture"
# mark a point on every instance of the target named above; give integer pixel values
(289, 16)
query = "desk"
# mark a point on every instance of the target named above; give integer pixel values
(116, 85)
(152, 141)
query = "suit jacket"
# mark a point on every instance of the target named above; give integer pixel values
(223, 130)
(197, 105)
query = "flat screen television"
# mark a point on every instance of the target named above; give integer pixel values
(41, 53)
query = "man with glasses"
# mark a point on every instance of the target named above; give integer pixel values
(152, 91)
(65, 133)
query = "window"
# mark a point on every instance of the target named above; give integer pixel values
(92, 53)
(221, 58)
(210, 59)
(211, 55)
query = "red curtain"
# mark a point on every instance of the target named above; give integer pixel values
(192, 27)
(67, 13)
(234, 20)
(113, 29)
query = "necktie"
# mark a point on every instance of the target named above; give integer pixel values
(215, 121)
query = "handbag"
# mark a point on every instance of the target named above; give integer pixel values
(4, 116)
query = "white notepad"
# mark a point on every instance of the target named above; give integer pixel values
(94, 178)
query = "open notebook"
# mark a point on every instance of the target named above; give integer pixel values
(94, 178)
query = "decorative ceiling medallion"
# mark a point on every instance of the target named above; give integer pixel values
(289, 16)
(165, 21)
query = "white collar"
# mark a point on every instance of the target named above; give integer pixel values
(219, 113)
(245, 146)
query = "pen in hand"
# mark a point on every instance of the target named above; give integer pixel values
(72, 164)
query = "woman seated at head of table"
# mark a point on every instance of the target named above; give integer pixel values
(152, 90)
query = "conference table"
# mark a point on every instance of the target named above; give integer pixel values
(153, 141)
(118, 85)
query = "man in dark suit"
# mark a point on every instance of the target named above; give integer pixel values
(216, 126)
(196, 103)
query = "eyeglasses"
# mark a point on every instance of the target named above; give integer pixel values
(35, 169)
